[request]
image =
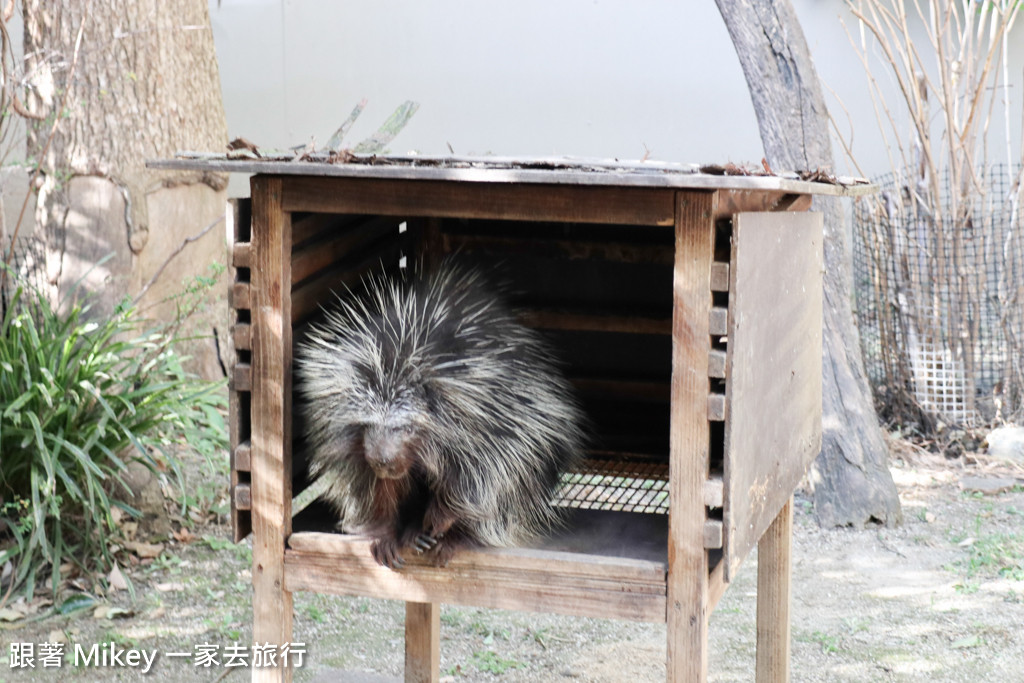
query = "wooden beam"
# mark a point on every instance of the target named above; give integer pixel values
(719, 277)
(716, 586)
(242, 495)
(719, 321)
(774, 573)
(716, 407)
(716, 367)
(243, 456)
(241, 377)
(241, 335)
(239, 296)
(713, 492)
(320, 290)
(533, 579)
(241, 255)
(690, 436)
(736, 201)
(611, 252)
(505, 201)
(713, 534)
(271, 418)
(559, 320)
(322, 254)
(422, 642)
(616, 388)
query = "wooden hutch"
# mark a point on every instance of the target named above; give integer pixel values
(687, 308)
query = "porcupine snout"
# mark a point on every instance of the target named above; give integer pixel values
(390, 449)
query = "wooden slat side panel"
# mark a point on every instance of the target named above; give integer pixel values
(690, 437)
(241, 520)
(239, 417)
(582, 204)
(774, 371)
(271, 416)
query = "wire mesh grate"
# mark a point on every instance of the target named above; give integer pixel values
(940, 299)
(624, 486)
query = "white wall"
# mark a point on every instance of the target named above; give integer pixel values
(598, 78)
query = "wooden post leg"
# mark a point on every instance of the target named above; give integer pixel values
(422, 642)
(687, 614)
(774, 570)
(271, 421)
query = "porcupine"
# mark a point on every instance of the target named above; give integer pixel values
(440, 421)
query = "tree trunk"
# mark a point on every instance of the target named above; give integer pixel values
(145, 85)
(850, 479)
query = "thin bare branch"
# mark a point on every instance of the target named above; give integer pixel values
(174, 254)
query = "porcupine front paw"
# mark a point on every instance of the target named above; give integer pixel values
(447, 545)
(438, 520)
(388, 553)
(442, 553)
(420, 541)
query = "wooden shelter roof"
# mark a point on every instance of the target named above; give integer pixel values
(553, 171)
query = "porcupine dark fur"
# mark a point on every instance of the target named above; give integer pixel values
(440, 421)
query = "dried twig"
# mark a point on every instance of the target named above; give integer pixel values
(181, 247)
(933, 231)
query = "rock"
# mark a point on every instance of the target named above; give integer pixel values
(145, 495)
(1007, 443)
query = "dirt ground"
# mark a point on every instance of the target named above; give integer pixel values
(939, 599)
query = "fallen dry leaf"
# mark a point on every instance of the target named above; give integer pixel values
(116, 579)
(145, 550)
(242, 143)
(169, 586)
(8, 614)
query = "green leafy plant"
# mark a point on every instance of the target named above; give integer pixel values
(489, 661)
(81, 398)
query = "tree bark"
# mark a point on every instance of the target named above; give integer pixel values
(850, 479)
(145, 86)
